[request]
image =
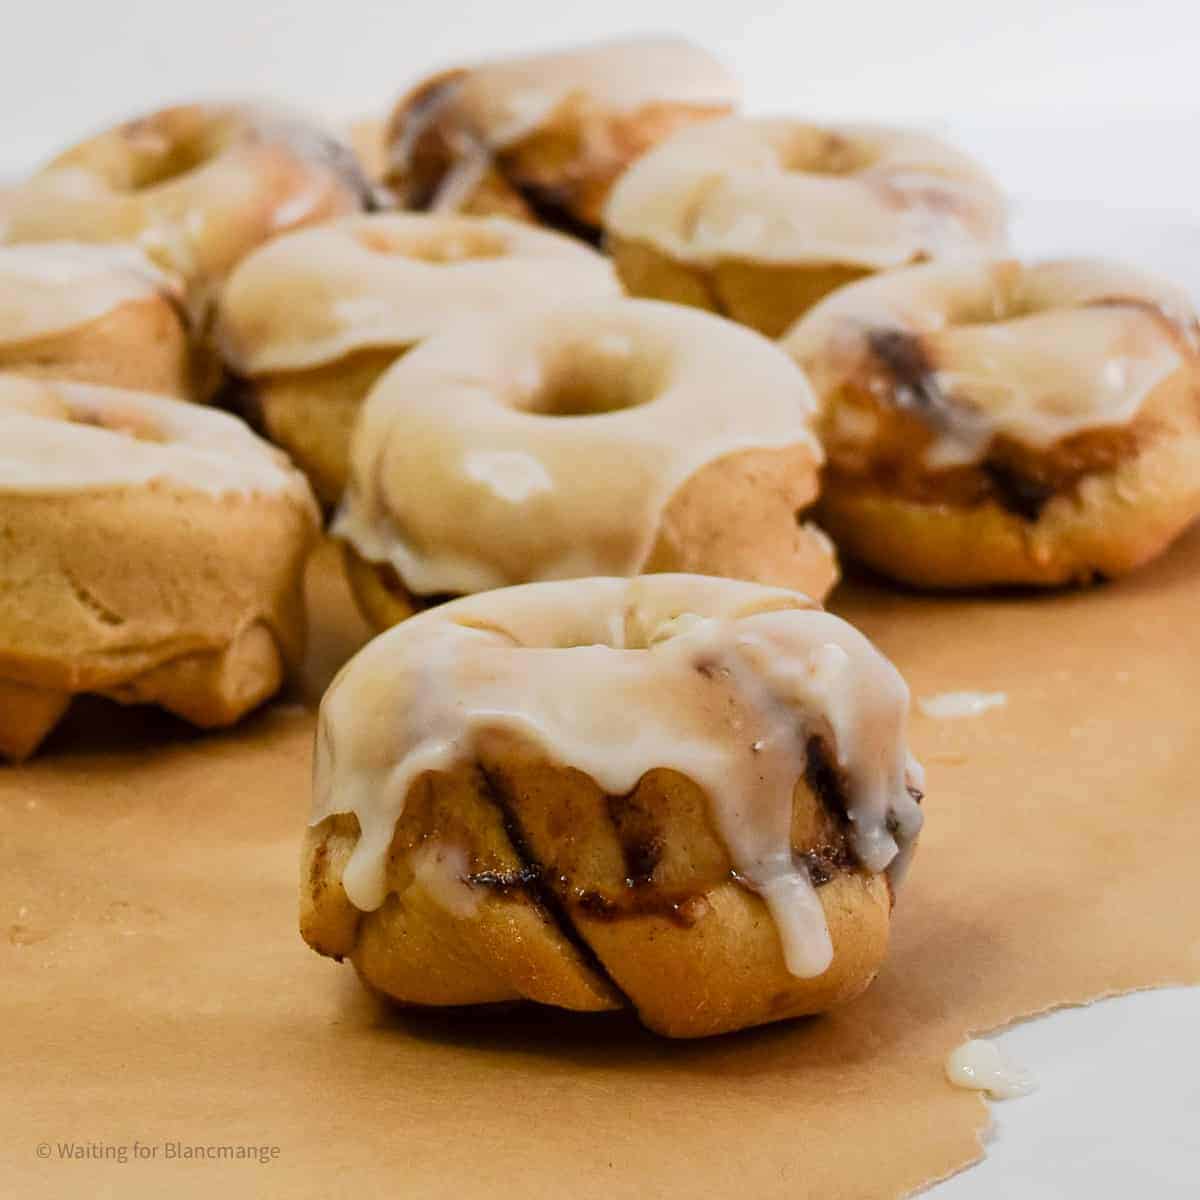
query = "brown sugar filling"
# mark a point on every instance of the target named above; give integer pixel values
(900, 389)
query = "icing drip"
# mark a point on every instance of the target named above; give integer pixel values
(728, 700)
(979, 1066)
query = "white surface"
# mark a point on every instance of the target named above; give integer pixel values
(64, 63)
(1087, 110)
(1116, 1113)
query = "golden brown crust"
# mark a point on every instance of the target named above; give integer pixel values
(1108, 524)
(140, 344)
(765, 296)
(413, 948)
(1093, 505)
(311, 414)
(379, 592)
(27, 715)
(149, 595)
(590, 901)
(742, 517)
(1000, 423)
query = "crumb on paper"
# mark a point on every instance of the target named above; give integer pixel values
(946, 706)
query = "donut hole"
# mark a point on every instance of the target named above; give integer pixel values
(125, 421)
(823, 152)
(1008, 296)
(590, 377)
(994, 309)
(459, 244)
(165, 149)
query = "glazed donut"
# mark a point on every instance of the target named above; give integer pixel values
(94, 314)
(611, 437)
(682, 794)
(310, 321)
(153, 553)
(542, 138)
(757, 219)
(998, 423)
(196, 186)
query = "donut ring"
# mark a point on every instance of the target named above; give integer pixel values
(93, 314)
(757, 219)
(996, 423)
(310, 321)
(543, 138)
(682, 794)
(154, 553)
(599, 437)
(196, 186)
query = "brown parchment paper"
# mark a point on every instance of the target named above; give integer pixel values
(155, 990)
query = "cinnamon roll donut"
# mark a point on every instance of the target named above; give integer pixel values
(153, 553)
(196, 186)
(309, 322)
(757, 219)
(543, 138)
(1004, 423)
(93, 314)
(609, 437)
(685, 795)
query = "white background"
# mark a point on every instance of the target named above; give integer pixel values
(67, 63)
(1088, 112)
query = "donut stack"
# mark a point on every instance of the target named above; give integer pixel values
(581, 368)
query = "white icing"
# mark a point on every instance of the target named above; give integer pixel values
(48, 288)
(64, 437)
(511, 475)
(443, 873)
(1036, 353)
(756, 189)
(948, 705)
(462, 481)
(391, 280)
(507, 99)
(979, 1066)
(721, 681)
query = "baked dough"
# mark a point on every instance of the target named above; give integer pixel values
(542, 138)
(153, 553)
(760, 218)
(997, 423)
(687, 795)
(93, 314)
(309, 322)
(607, 437)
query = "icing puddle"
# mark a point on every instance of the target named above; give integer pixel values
(979, 1065)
